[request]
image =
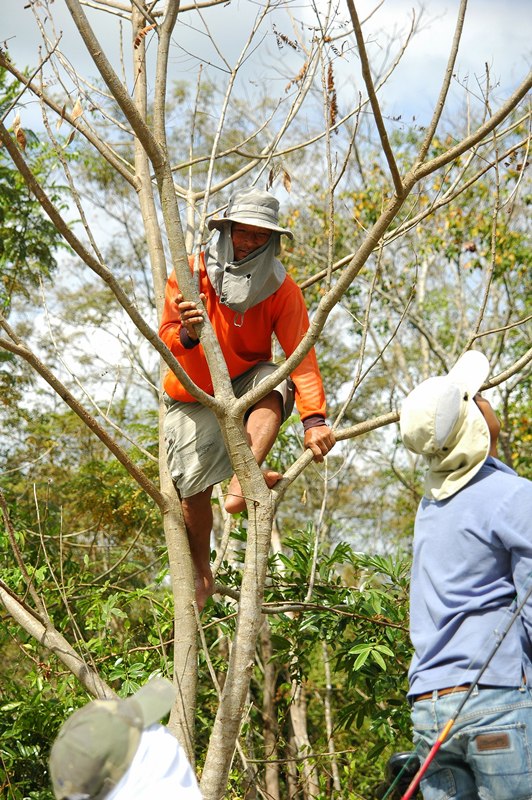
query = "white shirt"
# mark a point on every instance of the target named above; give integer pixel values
(159, 769)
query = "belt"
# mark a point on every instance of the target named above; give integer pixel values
(440, 692)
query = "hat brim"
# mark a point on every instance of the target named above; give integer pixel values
(455, 456)
(450, 472)
(155, 699)
(246, 220)
(470, 371)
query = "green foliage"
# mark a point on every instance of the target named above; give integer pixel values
(121, 631)
(28, 240)
(122, 623)
(26, 732)
(357, 611)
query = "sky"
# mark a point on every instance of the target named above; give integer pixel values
(497, 34)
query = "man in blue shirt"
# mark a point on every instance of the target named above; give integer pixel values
(472, 557)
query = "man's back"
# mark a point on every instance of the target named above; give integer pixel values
(468, 551)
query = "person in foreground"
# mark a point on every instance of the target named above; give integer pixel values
(472, 556)
(247, 297)
(114, 750)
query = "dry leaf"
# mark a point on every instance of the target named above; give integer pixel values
(287, 181)
(141, 34)
(330, 78)
(18, 130)
(77, 111)
(282, 37)
(333, 111)
(61, 118)
(299, 77)
(70, 138)
(21, 138)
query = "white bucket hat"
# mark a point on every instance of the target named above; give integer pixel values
(252, 207)
(441, 421)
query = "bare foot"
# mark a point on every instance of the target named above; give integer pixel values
(204, 588)
(235, 502)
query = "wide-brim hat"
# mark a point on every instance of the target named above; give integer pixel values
(96, 745)
(252, 207)
(441, 421)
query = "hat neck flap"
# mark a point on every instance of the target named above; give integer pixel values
(452, 469)
(240, 285)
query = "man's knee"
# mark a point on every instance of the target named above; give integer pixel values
(273, 401)
(197, 501)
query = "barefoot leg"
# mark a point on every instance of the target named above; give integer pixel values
(197, 512)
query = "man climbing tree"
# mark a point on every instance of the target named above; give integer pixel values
(248, 297)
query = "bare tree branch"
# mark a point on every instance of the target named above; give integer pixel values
(440, 103)
(368, 80)
(16, 347)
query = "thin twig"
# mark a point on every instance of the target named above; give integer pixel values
(368, 80)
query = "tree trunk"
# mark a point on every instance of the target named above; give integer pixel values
(269, 716)
(298, 718)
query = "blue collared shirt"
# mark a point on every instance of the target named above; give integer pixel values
(472, 554)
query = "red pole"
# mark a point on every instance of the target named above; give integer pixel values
(414, 783)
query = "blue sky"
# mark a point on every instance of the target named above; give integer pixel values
(496, 33)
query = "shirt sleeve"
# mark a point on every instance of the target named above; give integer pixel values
(170, 328)
(514, 529)
(290, 326)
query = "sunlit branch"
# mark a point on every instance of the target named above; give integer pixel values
(116, 161)
(28, 580)
(221, 120)
(6, 64)
(113, 7)
(501, 328)
(440, 103)
(416, 322)
(489, 272)
(362, 428)
(275, 607)
(89, 397)
(366, 73)
(164, 31)
(428, 167)
(114, 84)
(450, 194)
(365, 327)
(146, 191)
(514, 369)
(50, 638)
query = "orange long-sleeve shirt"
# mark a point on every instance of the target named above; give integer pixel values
(245, 343)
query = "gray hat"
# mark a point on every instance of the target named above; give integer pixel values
(97, 743)
(252, 207)
(441, 421)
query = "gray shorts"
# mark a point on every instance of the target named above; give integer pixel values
(197, 457)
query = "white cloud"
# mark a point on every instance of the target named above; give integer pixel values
(495, 34)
